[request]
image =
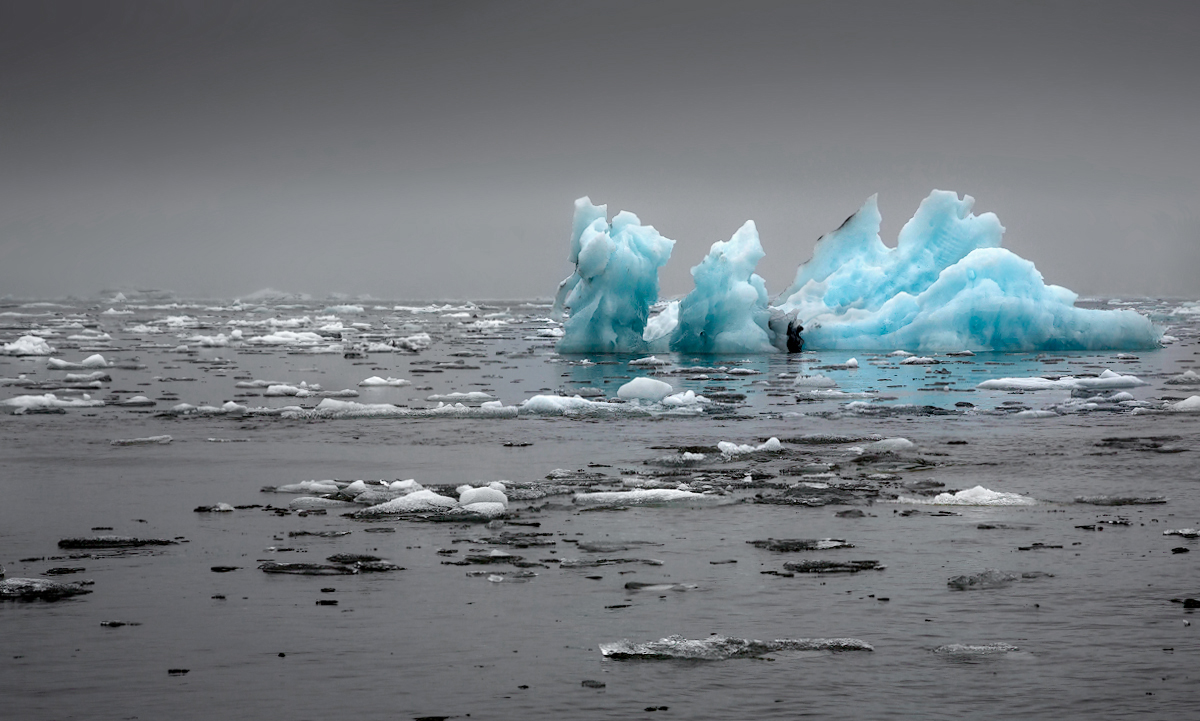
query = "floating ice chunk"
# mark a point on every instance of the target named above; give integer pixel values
(1187, 378)
(469, 495)
(977, 496)
(39, 589)
(1183, 533)
(210, 341)
(561, 405)
(727, 312)
(730, 449)
(646, 497)
(1035, 414)
(649, 361)
(615, 281)
(648, 389)
(326, 486)
(406, 486)
(114, 311)
(315, 503)
(918, 361)
(814, 381)
(413, 343)
(1191, 404)
(345, 309)
(946, 286)
(890, 445)
(302, 391)
(967, 651)
(852, 363)
(989, 578)
(87, 377)
(28, 345)
(287, 337)
(25, 404)
(147, 441)
(389, 381)
(422, 501)
(488, 509)
(1105, 381)
(471, 397)
(686, 398)
(720, 648)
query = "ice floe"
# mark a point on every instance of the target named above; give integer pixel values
(977, 496)
(721, 648)
(28, 345)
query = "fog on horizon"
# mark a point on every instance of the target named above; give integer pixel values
(433, 150)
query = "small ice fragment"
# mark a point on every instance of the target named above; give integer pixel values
(648, 389)
(147, 441)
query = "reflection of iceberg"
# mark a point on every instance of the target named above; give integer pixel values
(947, 285)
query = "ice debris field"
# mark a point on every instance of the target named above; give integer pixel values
(946, 286)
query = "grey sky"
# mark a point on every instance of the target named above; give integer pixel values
(433, 150)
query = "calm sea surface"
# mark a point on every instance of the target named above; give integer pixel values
(1095, 630)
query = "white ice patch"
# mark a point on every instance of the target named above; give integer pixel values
(422, 501)
(730, 449)
(24, 404)
(28, 345)
(1105, 381)
(977, 496)
(648, 389)
(646, 497)
(375, 381)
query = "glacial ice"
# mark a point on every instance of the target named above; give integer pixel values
(647, 389)
(727, 312)
(615, 281)
(946, 286)
(729, 449)
(28, 345)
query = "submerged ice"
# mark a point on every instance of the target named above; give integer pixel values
(946, 286)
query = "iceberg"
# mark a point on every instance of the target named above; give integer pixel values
(727, 312)
(614, 284)
(947, 286)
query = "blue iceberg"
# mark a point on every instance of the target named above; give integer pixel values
(946, 286)
(614, 284)
(728, 311)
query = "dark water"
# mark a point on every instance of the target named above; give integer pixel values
(1100, 637)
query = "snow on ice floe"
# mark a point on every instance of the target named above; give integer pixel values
(420, 501)
(977, 496)
(648, 389)
(376, 381)
(648, 497)
(1191, 404)
(1105, 381)
(721, 648)
(92, 361)
(1187, 378)
(147, 441)
(730, 449)
(946, 286)
(460, 397)
(27, 404)
(28, 345)
(331, 408)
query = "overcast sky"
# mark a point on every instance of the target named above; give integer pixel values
(433, 150)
